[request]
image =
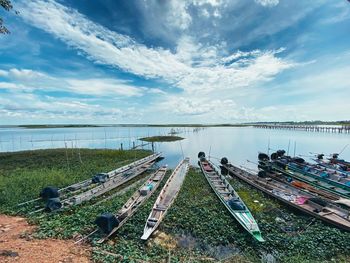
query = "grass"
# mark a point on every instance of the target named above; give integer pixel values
(197, 228)
(171, 138)
(24, 174)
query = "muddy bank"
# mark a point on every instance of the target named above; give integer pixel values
(18, 245)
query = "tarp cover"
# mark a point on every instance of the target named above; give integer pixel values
(106, 222)
(236, 204)
(49, 192)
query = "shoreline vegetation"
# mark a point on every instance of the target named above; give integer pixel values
(197, 228)
(171, 138)
(194, 125)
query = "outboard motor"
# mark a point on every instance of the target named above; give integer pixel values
(201, 155)
(274, 156)
(53, 204)
(280, 153)
(224, 161)
(264, 166)
(320, 156)
(49, 192)
(263, 157)
(107, 222)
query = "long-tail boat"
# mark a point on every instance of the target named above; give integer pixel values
(56, 204)
(166, 198)
(331, 165)
(317, 182)
(295, 197)
(73, 189)
(308, 188)
(332, 176)
(111, 223)
(335, 160)
(229, 197)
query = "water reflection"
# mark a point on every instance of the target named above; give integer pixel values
(237, 144)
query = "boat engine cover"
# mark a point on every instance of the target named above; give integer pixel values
(49, 192)
(224, 160)
(274, 156)
(146, 189)
(280, 153)
(107, 222)
(263, 157)
(236, 204)
(201, 155)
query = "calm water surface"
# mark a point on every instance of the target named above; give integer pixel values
(235, 143)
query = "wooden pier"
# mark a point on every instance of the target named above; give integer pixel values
(311, 128)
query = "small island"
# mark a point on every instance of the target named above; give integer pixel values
(171, 138)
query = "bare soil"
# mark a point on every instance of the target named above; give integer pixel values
(18, 245)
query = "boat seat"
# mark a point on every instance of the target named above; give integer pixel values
(325, 213)
(225, 192)
(160, 208)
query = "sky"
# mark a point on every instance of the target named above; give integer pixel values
(167, 61)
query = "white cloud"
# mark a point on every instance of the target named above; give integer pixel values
(187, 106)
(103, 87)
(342, 13)
(29, 80)
(179, 17)
(192, 67)
(205, 74)
(9, 85)
(268, 2)
(30, 106)
(3, 73)
(25, 74)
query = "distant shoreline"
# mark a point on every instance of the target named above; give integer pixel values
(161, 139)
(192, 125)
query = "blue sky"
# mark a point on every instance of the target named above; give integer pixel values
(190, 61)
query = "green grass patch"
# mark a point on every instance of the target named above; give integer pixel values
(24, 174)
(202, 227)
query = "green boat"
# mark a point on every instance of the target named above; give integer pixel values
(309, 180)
(229, 197)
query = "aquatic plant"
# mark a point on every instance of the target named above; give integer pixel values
(198, 226)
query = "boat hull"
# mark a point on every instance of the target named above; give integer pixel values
(243, 217)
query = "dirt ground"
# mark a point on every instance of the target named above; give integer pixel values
(17, 245)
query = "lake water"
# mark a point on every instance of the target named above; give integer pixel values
(236, 143)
